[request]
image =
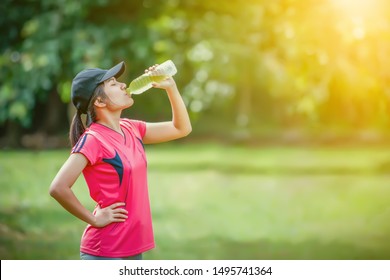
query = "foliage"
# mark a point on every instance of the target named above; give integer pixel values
(282, 63)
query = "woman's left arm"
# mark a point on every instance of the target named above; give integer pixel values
(180, 126)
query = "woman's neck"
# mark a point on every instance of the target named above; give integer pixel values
(112, 122)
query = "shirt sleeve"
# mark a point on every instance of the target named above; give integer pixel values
(139, 126)
(89, 146)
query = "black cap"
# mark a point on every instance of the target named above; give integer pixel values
(85, 83)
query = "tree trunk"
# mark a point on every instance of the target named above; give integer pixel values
(56, 117)
(12, 138)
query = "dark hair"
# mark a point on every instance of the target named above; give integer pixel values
(77, 126)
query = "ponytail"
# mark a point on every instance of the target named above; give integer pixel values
(77, 126)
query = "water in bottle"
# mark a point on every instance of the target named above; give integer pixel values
(160, 73)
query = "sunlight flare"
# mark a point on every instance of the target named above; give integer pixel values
(357, 8)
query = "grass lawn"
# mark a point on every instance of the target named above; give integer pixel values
(212, 201)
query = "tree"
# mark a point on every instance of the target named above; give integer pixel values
(242, 65)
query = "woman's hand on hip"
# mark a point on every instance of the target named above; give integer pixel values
(113, 213)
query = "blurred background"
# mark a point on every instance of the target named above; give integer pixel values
(289, 102)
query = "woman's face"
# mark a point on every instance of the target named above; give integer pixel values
(117, 97)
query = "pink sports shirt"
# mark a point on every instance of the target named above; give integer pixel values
(117, 172)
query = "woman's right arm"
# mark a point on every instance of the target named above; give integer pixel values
(60, 189)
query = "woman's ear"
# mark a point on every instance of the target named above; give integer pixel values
(99, 103)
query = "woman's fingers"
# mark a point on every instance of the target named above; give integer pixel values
(118, 213)
(112, 213)
(151, 68)
(120, 210)
(116, 205)
(119, 216)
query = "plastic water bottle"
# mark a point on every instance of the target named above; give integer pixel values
(144, 82)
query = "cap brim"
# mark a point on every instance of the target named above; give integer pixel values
(115, 71)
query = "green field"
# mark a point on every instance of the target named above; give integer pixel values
(212, 201)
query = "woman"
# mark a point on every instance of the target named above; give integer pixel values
(110, 154)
